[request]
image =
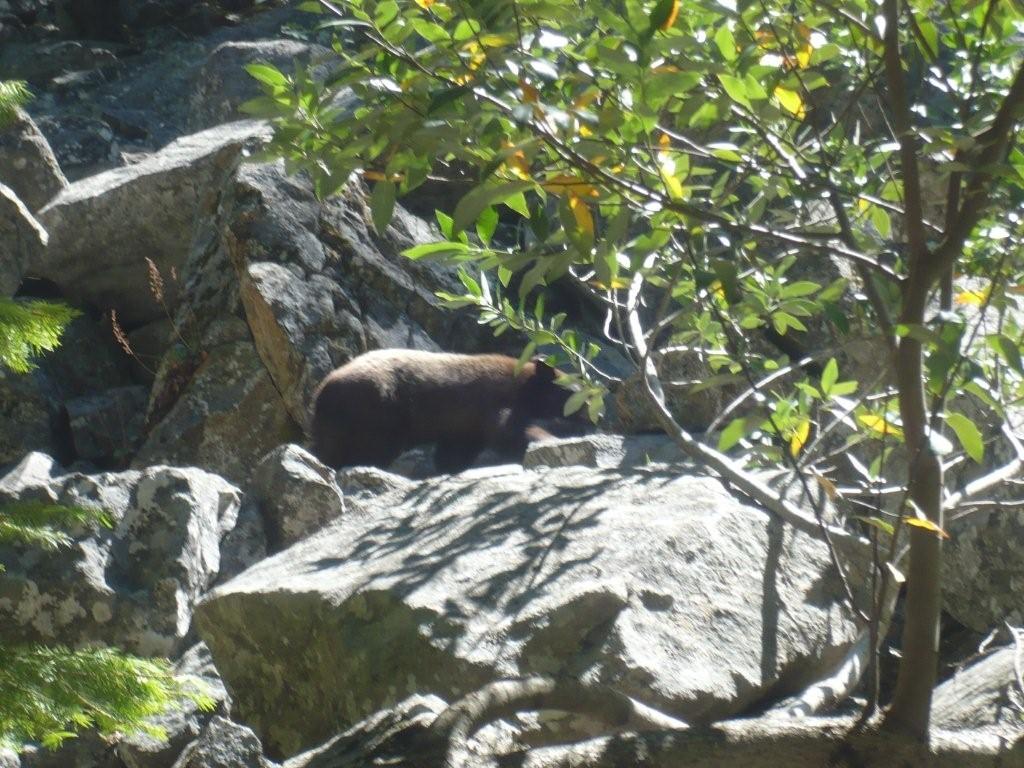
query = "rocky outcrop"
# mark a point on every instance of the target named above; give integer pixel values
(983, 569)
(297, 495)
(224, 744)
(27, 164)
(133, 585)
(214, 405)
(107, 427)
(105, 227)
(655, 581)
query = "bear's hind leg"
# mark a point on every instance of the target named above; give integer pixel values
(455, 456)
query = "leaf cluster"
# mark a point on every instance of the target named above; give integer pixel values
(699, 168)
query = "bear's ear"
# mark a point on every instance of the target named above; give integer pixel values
(543, 371)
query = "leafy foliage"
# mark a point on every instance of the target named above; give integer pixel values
(703, 152)
(46, 693)
(13, 94)
(28, 328)
(715, 176)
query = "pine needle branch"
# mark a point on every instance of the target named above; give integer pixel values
(13, 94)
(29, 328)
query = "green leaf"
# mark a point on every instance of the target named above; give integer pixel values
(736, 89)
(664, 84)
(968, 434)
(734, 431)
(474, 202)
(486, 223)
(442, 249)
(1005, 347)
(726, 43)
(931, 37)
(799, 288)
(829, 376)
(843, 388)
(517, 203)
(783, 321)
(661, 13)
(382, 205)
(471, 284)
(876, 522)
(267, 74)
(575, 402)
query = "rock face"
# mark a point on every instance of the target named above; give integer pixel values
(27, 164)
(103, 227)
(34, 406)
(983, 569)
(316, 286)
(694, 412)
(22, 240)
(108, 426)
(134, 585)
(983, 696)
(655, 581)
(319, 286)
(223, 84)
(182, 725)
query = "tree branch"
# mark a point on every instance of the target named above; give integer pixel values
(993, 146)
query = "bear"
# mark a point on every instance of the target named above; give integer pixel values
(384, 402)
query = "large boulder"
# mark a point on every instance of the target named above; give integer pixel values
(22, 240)
(655, 580)
(297, 495)
(27, 164)
(105, 227)
(134, 585)
(984, 696)
(216, 406)
(983, 568)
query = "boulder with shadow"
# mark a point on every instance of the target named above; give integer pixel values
(654, 580)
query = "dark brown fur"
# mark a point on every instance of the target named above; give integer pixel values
(384, 402)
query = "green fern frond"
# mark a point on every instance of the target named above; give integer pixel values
(13, 94)
(47, 693)
(30, 327)
(38, 523)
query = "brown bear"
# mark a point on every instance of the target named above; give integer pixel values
(384, 402)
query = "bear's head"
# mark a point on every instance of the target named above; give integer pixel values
(541, 397)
